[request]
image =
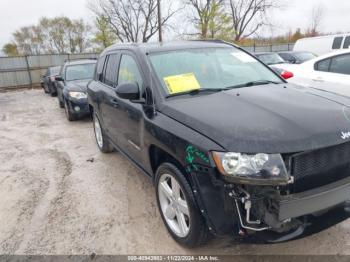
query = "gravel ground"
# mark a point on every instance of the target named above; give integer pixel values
(54, 201)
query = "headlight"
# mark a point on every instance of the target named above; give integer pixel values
(77, 95)
(262, 169)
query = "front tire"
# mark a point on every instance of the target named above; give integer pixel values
(46, 89)
(70, 116)
(178, 207)
(60, 103)
(101, 139)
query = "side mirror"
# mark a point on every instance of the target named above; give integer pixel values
(128, 91)
(59, 78)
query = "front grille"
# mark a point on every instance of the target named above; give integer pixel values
(320, 167)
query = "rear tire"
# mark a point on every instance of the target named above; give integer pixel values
(195, 231)
(102, 140)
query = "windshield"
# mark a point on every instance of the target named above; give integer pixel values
(80, 72)
(270, 59)
(55, 70)
(303, 57)
(207, 68)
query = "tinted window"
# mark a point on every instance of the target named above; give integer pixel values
(286, 57)
(303, 57)
(80, 72)
(99, 67)
(323, 65)
(347, 42)
(129, 71)
(112, 70)
(337, 42)
(341, 64)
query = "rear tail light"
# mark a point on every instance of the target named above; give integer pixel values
(286, 74)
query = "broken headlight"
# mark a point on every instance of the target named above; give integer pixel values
(262, 169)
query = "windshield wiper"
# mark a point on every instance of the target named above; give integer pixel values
(199, 91)
(257, 83)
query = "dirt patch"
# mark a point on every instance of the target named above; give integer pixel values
(54, 201)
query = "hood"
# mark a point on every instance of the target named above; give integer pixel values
(78, 85)
(266, 119)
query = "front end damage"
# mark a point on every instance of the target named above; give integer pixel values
(270, 213)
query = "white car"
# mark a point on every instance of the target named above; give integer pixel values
(333, 67)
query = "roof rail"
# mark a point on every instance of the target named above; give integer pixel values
(215, 41)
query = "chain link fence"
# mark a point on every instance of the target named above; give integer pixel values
(269, 48)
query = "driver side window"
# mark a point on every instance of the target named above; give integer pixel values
(129, 71)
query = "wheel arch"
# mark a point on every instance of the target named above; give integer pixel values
(158, 156)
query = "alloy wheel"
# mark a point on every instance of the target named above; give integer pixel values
(98, 132)
(174, 205)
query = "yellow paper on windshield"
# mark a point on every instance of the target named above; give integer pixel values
(181, 83)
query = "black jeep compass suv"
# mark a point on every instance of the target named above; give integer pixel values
(231, 147)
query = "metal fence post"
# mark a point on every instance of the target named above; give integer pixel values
(28, 70)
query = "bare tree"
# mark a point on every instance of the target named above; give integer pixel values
(248, 16)
(132, 20)
(209, 18)
(316, 20)
(53, 35)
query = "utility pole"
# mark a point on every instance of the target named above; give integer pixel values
(159, 22)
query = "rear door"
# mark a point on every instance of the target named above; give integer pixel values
(108, 98)
(335, 69)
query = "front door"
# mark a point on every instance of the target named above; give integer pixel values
(127, 118)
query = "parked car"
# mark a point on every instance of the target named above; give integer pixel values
(71, 87)
(296, 57)
(270, 58)
(275, 62)
(285, 74)
(230, 146)
(323, 44)
(332, 68)
(48, 80)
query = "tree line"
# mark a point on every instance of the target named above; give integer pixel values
(138, 21)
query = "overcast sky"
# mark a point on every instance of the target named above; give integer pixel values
(18, 13)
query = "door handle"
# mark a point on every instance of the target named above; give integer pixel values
(114, 102)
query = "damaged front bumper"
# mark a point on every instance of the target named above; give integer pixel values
(263, 215)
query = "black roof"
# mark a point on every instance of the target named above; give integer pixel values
(169, 46)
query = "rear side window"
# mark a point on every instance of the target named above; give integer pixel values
(112, 70)
(129, 71)
(346, 42)
(337, 42)
(341, 64)
(323, 65)
(99, 68)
